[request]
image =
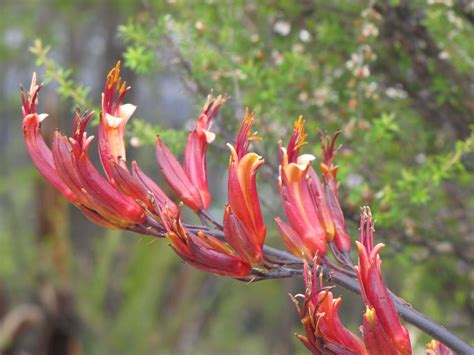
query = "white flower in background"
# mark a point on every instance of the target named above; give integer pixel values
(200, 26)
(362, 72)
(303, 96)
(337, 73)
(370, 30)
(283, 28)
(395, 93)
(322, 95)
(239, 74)
(135, 142)
(370, 14)
(277, 57)
(455, 19)
(297, 48)
(355, 61)
(368, 53)
(371, 89)
(443, 55)
(420, 158)
(447, 3)
(305, 36)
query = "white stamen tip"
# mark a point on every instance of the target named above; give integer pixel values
(113, 121)
(42, 116)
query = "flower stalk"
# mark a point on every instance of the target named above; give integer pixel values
(127, 198)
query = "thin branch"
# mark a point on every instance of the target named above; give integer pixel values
(405, 310)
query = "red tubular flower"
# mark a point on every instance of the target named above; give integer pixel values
(319, 314)
(243, 222)
(382, 328)
(329, 170)
(94, 192)
(113, 120)
(202, 251)
(435, 347)
(39, 152)
(190, 180)
(293, 241)
(305, 228)
(375, 338)
(196, 148)
(68, 168)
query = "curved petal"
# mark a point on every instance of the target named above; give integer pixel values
(240, 238)
(176, 177)
(41, 155)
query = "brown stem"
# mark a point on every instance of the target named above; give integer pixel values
(405, 310)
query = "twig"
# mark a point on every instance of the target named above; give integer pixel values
(405, 310)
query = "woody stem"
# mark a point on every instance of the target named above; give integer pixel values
(408, 313)
(405, 310)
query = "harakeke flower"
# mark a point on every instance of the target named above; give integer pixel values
(435, 347)
(37, 148)
(202, 251)
(97, 197)
(113, 120)
(243, 222)
(319, 314)
(190, 180)
(305, 235)
(382, 330)
(68, 168)
(329, 171)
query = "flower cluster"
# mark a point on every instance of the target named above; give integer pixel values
(126, 198)
(190, 180)
(311, 207)
(319, 314)
(435, 347)
(381, 328)
(243, 221)
(382, 332)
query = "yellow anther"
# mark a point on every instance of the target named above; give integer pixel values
(299, 127)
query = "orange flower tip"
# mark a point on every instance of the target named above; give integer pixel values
(360, 247)
(299, 124)
(249, 117)
(299, 129)
(369, 314)
(431, 345)
(324, 168)
(254, 137)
